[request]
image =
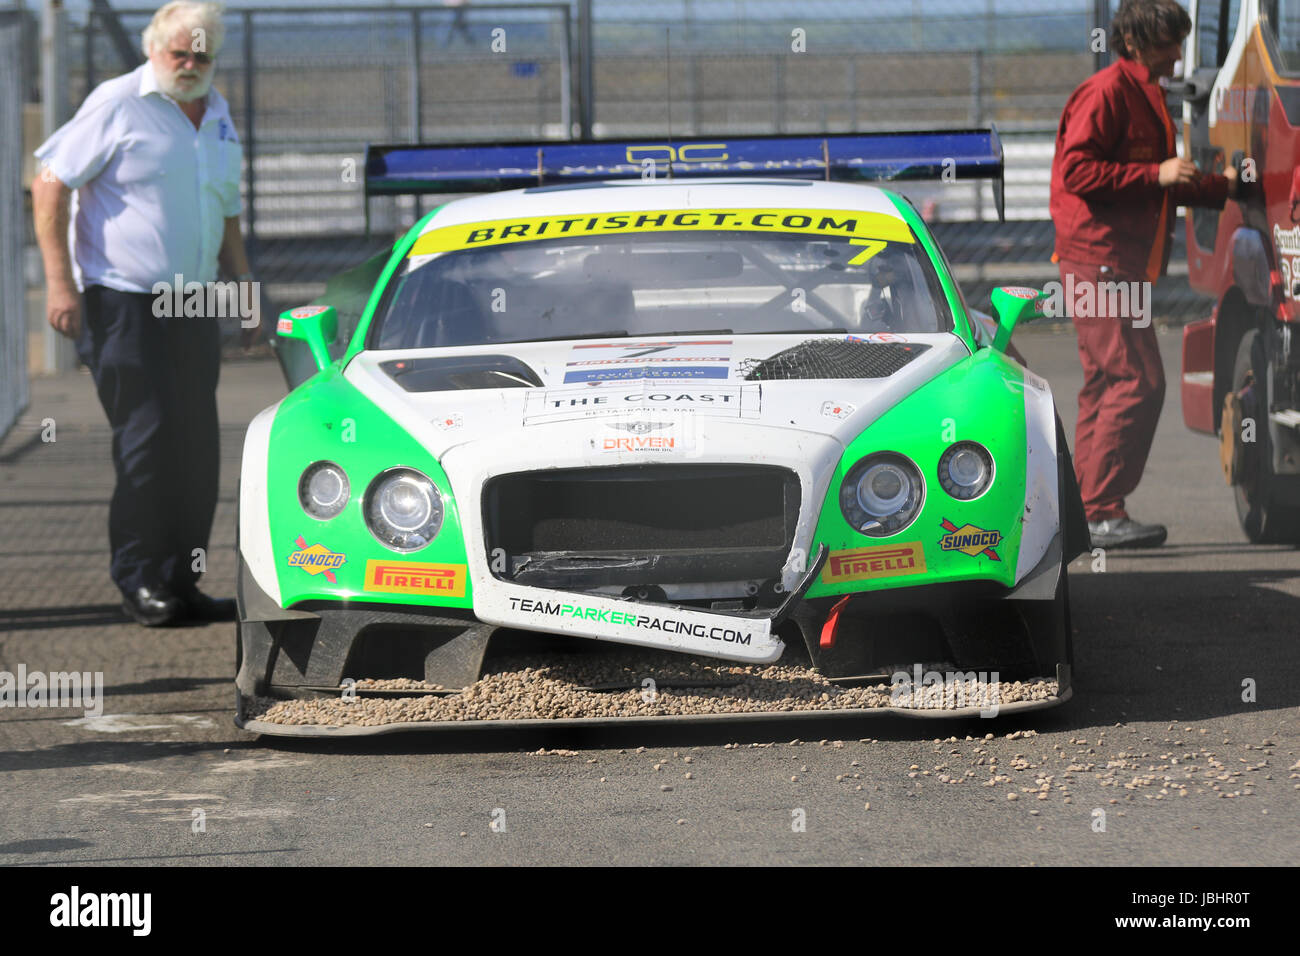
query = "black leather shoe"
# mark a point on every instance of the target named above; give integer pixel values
(200, 607)
(153, 607)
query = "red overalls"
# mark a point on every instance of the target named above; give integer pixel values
(1115, 223)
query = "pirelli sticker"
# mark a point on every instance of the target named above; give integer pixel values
(884, 561)
(416, 577)
(868, 229)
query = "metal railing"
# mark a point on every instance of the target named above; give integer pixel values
(13, 227)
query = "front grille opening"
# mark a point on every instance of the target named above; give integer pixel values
(642, 524)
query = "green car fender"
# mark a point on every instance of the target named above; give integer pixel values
(981, 399)
(328, 419)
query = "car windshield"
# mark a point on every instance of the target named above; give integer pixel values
(660, 283)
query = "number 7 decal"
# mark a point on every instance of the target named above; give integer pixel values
(872, 247)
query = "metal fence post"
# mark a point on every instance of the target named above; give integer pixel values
(586, 79)
(13, 232)
(566, 77)
(853, 92)
(417, 123)
(250, 134)
(694, 74)
(59, 355)
(977, 116)
(778, 93)
(417, 133)
(88, 50)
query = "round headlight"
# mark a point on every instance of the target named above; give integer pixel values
(403, 509)
(323, 490)
(966, 470)
(882, 494)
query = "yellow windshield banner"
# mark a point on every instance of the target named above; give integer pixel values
(854, 225)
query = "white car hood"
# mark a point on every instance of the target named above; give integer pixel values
(613, 421)
(799, 425)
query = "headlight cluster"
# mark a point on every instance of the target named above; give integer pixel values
(402, 507)
(882, 494)
(323, 490)
(966, 470)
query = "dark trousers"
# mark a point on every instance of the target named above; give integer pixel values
(157, 380)
(1119, 405)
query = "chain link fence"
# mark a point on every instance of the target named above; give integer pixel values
(310, 86)
(13, 227)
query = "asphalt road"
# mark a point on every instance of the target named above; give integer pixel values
(1158, 760)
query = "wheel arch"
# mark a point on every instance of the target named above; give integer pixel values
(1234, 318)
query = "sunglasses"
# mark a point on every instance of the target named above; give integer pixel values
(180, 56)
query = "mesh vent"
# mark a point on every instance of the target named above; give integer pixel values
(822, 358)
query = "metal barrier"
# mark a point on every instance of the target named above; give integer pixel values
(13, 228)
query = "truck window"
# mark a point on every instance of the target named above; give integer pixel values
(1216, 22)
(1284, 17)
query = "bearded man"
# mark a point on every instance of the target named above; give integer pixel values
(155, 164)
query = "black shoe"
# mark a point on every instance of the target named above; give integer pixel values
(153, 607)
(200, 607)
(1126, 533)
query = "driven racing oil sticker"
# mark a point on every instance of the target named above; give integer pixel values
(863, 228)
(884, 561)
(416, 577)
(317, 559)
(968, 539)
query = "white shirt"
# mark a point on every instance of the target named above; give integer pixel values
(153, 192)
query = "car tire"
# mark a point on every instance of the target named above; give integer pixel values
(1268, 504)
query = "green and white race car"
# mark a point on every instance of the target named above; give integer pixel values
(714, 414)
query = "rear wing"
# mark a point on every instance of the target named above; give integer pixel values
(945, 155)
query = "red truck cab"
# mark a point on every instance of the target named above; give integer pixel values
(1241, 366)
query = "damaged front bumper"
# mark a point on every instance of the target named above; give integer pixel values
(310, 648)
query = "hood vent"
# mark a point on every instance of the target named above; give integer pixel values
(835, 358)
(460, 372)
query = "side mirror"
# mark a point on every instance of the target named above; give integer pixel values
(317, 325)
(1196, 86)
(1013, 305)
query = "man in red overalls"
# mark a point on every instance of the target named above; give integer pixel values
(1116, 185)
